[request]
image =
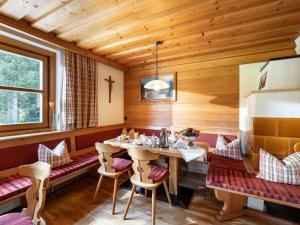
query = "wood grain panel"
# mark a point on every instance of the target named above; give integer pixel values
(122, 33)
(207, 99)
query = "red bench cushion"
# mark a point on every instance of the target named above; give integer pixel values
(242, 181)
(16, 184)
(13, 185)
(79, 162)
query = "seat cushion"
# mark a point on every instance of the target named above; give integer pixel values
(13, 185)
(15, 219)
(244, 182)
(121, 164)
(79, 162)
(16, 184)
(158, 173)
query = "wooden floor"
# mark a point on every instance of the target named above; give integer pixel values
(72, 204)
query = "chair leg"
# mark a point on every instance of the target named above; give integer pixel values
(153, 205)
(114, 195)
(129, 202)
(97, 188)
(146, 192)
(167, 192)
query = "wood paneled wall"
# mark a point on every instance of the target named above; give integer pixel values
(207, 94)
(206, 98)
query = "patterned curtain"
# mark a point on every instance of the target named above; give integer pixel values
(81, 91)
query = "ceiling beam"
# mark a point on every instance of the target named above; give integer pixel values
(24, 26)
(63, 4)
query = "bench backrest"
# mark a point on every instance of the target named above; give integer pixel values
(277, 136)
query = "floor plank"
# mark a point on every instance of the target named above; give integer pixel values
(72, 204)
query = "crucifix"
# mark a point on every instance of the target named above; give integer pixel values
(110, 87)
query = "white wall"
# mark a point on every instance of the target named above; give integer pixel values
(110, 113)
(297, 41)
(284, 104)
(283, 74)
(249, 81)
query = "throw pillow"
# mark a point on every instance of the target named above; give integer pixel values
(286, 171)
(58, 156)
(229, 150)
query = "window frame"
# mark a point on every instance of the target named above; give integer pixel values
(48, 60)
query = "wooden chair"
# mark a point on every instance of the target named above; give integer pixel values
(111, 167)
(39, 173)
(147, 176)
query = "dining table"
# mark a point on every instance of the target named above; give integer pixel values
(172, 153)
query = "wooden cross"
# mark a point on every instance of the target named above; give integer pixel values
(110, 87)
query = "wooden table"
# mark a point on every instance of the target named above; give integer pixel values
(172, 153)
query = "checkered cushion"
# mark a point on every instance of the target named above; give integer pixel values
(121, 164)
(13, 185)
(230, 150)
(57, 157)
(286, 171)
(79, 162)
(244, 182)
(158, 173)
(15, 219)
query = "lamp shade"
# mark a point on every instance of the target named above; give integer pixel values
(156, 85)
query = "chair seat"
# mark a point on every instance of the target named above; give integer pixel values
(15, 219)
(158, 173)
(121, 164)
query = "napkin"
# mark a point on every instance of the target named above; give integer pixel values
(189, 153)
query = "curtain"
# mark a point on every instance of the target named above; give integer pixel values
(81, 91)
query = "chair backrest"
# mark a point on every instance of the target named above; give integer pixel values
(105, 156)
(141, 159)
(39, 173)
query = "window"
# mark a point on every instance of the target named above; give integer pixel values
(23, 89)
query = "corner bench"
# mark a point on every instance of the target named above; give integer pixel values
(14, 186)
(233, 184)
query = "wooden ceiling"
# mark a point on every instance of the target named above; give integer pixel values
(124, 31)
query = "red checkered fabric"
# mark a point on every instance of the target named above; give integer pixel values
(230, 150)
(59, 156)
(15, 184)
(79, 162)
(286, 171)
(15, 219)
(248, 183)
(121, 164)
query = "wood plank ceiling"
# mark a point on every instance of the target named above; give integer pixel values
(125, 30)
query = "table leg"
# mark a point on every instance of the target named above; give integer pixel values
(174, 175)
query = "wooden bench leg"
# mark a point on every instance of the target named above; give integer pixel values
(233, 205)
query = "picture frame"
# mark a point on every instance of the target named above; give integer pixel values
(263, 80)
(169, 94)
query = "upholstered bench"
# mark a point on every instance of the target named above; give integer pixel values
(14, 186)
(232, 184)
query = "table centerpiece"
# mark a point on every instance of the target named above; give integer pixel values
(189, 135)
